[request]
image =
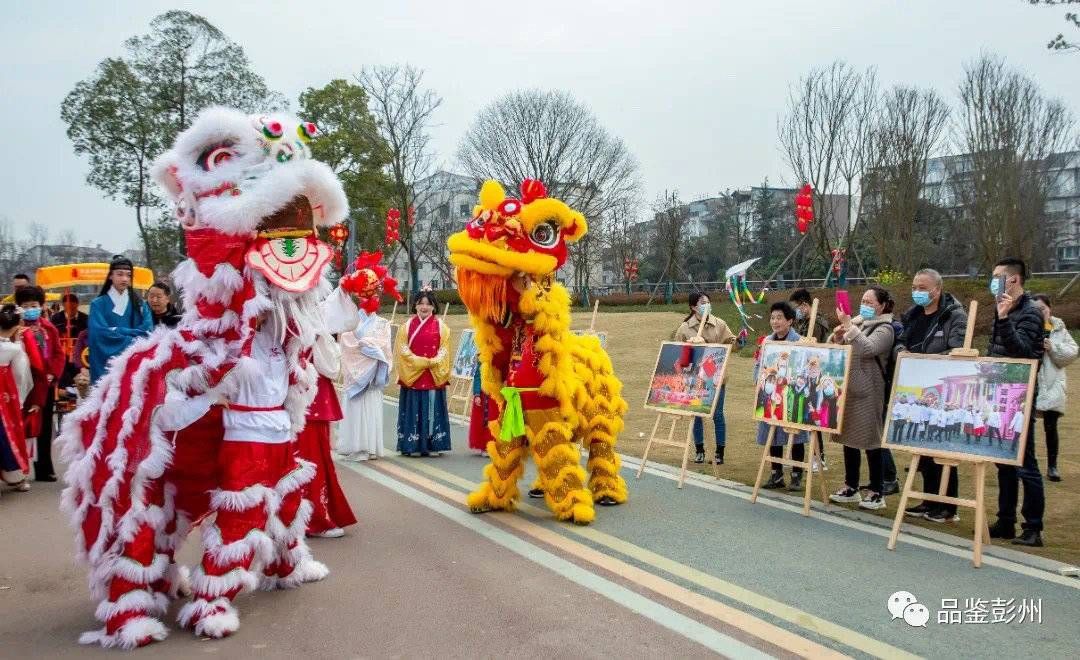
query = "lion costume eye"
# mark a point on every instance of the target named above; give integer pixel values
(545, 234)
(216, 156)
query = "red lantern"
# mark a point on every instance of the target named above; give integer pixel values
(804, 208)
(411, 217)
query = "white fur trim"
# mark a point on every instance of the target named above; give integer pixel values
(129, 635)
(214, 586)
(296, 479)
(218, 625)
(242, 500)
(139, 600)
(308, 570)
(179, 581)
(199, 609)
(256, 544)
(133, 571)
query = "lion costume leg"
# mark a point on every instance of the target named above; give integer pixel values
(292, 564)
(237, 540)
(499, 491)
(559, 463)
(131, 613)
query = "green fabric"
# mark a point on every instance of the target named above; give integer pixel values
(513, 417)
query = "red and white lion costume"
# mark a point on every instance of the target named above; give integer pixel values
(248, 196)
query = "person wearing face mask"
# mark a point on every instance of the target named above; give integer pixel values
(934, 326)
(423, 366)
(871, 338)
(118, 316)
(802, 302)
(1017, 333)
(713, 331)
(781, 317)
(31, 299)
(1060, 352)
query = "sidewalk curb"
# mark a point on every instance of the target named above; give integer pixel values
(699, 480)
(1016, 556)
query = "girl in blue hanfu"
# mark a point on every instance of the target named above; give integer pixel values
(423, 363)
(118, 316)
(15, 385)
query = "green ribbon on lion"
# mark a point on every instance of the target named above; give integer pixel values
(512, 424)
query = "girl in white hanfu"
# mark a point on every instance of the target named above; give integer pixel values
(365, 364)
(366, 355)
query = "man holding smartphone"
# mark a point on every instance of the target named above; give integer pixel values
(1017, 333)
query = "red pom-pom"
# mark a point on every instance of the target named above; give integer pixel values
(510, 207)
(532, 190)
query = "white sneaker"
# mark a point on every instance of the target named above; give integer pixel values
(815, 465)
(846, 495)
(873, 501)
(23, 487)
(334, 533)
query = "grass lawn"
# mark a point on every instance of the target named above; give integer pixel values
(633, 340)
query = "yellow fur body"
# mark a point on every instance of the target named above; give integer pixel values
(576, 371)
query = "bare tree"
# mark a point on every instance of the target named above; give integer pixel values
(909, 129)
(623, 239)
(550, 136)
(404, 110)
(825, 138)
(1013, 138)
(667, 239)
(1060, 42)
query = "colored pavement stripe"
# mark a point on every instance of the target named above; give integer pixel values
(712, 583)
(664, 616)
(736, 618)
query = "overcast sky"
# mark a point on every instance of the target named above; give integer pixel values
(694, 88)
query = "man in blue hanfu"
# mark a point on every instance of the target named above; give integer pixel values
(118, 316)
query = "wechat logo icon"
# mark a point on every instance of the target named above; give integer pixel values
(904, 605)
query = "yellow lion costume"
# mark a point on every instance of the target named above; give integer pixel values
(552, 387)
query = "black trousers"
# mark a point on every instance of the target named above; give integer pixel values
(1009, 479)
(43, 466)
(932, 473)
(853, 466)
(1050, 422)
(798, 453)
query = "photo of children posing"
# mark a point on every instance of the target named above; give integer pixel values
(972, 406)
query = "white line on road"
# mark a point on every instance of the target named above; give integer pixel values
(696, 631)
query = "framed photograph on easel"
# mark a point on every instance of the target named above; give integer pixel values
(959, 409)
(800, 391)
(685, 384)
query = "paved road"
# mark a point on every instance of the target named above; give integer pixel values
(672, 573)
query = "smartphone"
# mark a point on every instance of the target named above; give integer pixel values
(1001, 286)
(843, 302)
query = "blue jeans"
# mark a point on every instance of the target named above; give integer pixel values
(719, 425)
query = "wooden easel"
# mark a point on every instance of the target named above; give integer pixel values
(669, 441)
(393, 313)
(786, 459)
(674, 417)
(814, 452)
(982, 528)
(461, 390)
(445, 310)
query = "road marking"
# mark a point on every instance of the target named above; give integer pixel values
(883, 532)
(710, 638)
(712, 583)
(693, 479)
(737, 618)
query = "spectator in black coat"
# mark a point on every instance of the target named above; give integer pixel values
(1018, 333)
